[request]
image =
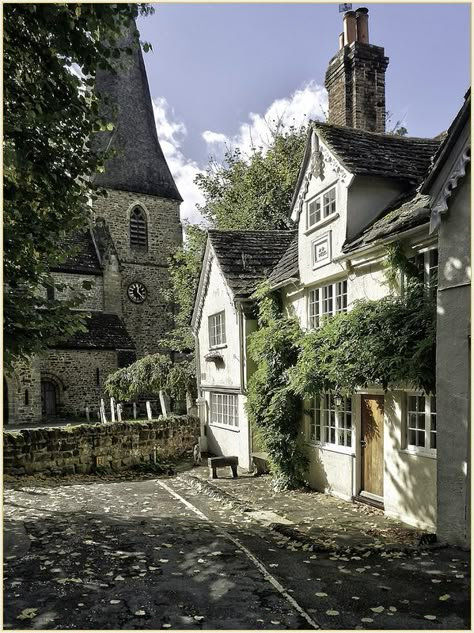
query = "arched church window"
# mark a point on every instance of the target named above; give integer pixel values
(138, 229)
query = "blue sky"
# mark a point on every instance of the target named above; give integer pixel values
(217, 71)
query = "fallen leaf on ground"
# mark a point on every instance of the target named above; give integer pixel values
(27, 614)
(366, 620)
(140, 612)
(321, 594)
(331, 612)
(445, 596)
(429, 617)
(377, 609)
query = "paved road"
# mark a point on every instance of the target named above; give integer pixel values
(154, 554)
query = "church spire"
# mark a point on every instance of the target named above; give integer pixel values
(139, 164)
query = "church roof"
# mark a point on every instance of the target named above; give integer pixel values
(104, 331)
(247, 257)
(287, 267)
(139, 165)
(83, 257)
(384, 155)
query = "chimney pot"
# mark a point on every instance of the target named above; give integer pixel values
(362, 18)
(350, 27)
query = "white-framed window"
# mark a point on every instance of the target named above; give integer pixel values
(224, 409)
(326, 301)
(421, 422)
(321, 207)
(217, 329)
(330, 423)
(427, 265)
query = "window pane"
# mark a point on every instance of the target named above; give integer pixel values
(329, 202)
(314, 211)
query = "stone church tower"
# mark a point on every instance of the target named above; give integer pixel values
(355, 78)
(141, 210)
(122, 260)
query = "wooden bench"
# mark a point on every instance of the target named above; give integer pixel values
(260, 463)
(220, 462)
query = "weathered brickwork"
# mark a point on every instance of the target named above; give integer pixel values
(79, 376)
(83, 448)
(148, 322)
(355, 81)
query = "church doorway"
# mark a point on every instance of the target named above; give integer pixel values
(5, 402)
(49, 398)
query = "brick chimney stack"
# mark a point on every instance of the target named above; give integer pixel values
(355, 78)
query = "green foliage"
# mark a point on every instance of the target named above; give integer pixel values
(184, 270)
(274, 409)
(150, 375)
(388, 342)
(254, 192)
(50, 117)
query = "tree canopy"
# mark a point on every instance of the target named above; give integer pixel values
(50, 117)
(254, 192)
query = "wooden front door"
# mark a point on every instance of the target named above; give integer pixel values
(48, 397)
(372, 419)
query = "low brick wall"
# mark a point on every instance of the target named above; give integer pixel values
(84, 448)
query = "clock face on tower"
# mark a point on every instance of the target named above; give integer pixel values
(137, 292)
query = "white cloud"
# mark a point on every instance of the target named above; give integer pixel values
(308, 102)
(171, 133)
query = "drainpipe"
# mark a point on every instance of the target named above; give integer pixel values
(243, 372)
(201, 402)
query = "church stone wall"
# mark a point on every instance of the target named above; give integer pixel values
(24, 393)
(74, 285)
(75, 374)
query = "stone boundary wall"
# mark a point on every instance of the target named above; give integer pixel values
(84, 448)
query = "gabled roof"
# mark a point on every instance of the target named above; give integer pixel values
(409, 211)
(83, 257)
(385, 155)
(104, 331)
(247, 257)
(287, 268)
(450, 138)
(140, 165)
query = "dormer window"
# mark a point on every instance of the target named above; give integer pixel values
(321, 207)
(138, 230)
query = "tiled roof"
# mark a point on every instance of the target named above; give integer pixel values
(104, 331)
(83, 256)
(287, 267)
(247, 257)
(408, 212)
(385, 155)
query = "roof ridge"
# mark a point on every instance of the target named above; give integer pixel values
(323, 125)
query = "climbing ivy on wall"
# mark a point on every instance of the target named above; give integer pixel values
(388, 342)
(274, 409)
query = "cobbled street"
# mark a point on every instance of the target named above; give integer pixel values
(157, 554)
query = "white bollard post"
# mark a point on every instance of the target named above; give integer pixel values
(112, 409)
(134, 410)
(164, 404)
(102, 410)
(119, 412)
(88, 414)
(148, 410)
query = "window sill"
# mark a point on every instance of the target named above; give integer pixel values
(321, 223)
(225, 427)
(431, 454)
(333, 448)
(212, 348)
